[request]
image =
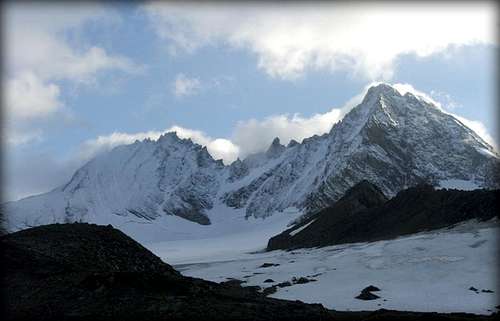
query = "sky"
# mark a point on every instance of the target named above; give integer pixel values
(80, 79)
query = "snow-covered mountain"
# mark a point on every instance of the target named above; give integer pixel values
(392, 140)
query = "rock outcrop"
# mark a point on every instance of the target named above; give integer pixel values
(364, 214)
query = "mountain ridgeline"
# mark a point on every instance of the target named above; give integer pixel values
(395, 141)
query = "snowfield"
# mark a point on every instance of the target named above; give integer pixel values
(429, 271)
(231, 235)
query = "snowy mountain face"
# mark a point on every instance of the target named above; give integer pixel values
(392, 140)
(145, 180)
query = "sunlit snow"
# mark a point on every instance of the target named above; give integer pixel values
(429, 271)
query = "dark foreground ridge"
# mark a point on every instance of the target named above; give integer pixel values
(364, 214)
(91, 272)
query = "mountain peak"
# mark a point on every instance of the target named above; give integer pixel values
(275, 149)
(169, 137)
(376, 92)
(276, 142)
(382, 88)
(292, 143)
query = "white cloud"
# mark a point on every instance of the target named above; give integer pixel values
(289, 39)
(21, 136)
(255, 136)
(92, 147)
(446, 100)
(185, 86)
(39, 54)
(28, 97)
(248, 137)
(479, 128)
(219, 148)
(36, 41)
(407, 88)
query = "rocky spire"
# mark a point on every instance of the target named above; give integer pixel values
(275, 149)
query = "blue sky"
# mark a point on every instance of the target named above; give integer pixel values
(82, 79)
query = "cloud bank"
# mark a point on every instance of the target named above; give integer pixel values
(290, 38)
(219, 148)
(39, 55)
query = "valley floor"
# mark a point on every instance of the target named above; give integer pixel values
(430, 271)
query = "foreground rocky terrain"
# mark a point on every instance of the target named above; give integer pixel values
(89, 272)
(364, 214)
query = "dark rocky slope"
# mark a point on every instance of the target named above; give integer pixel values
(364, 214)
(89, 272)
